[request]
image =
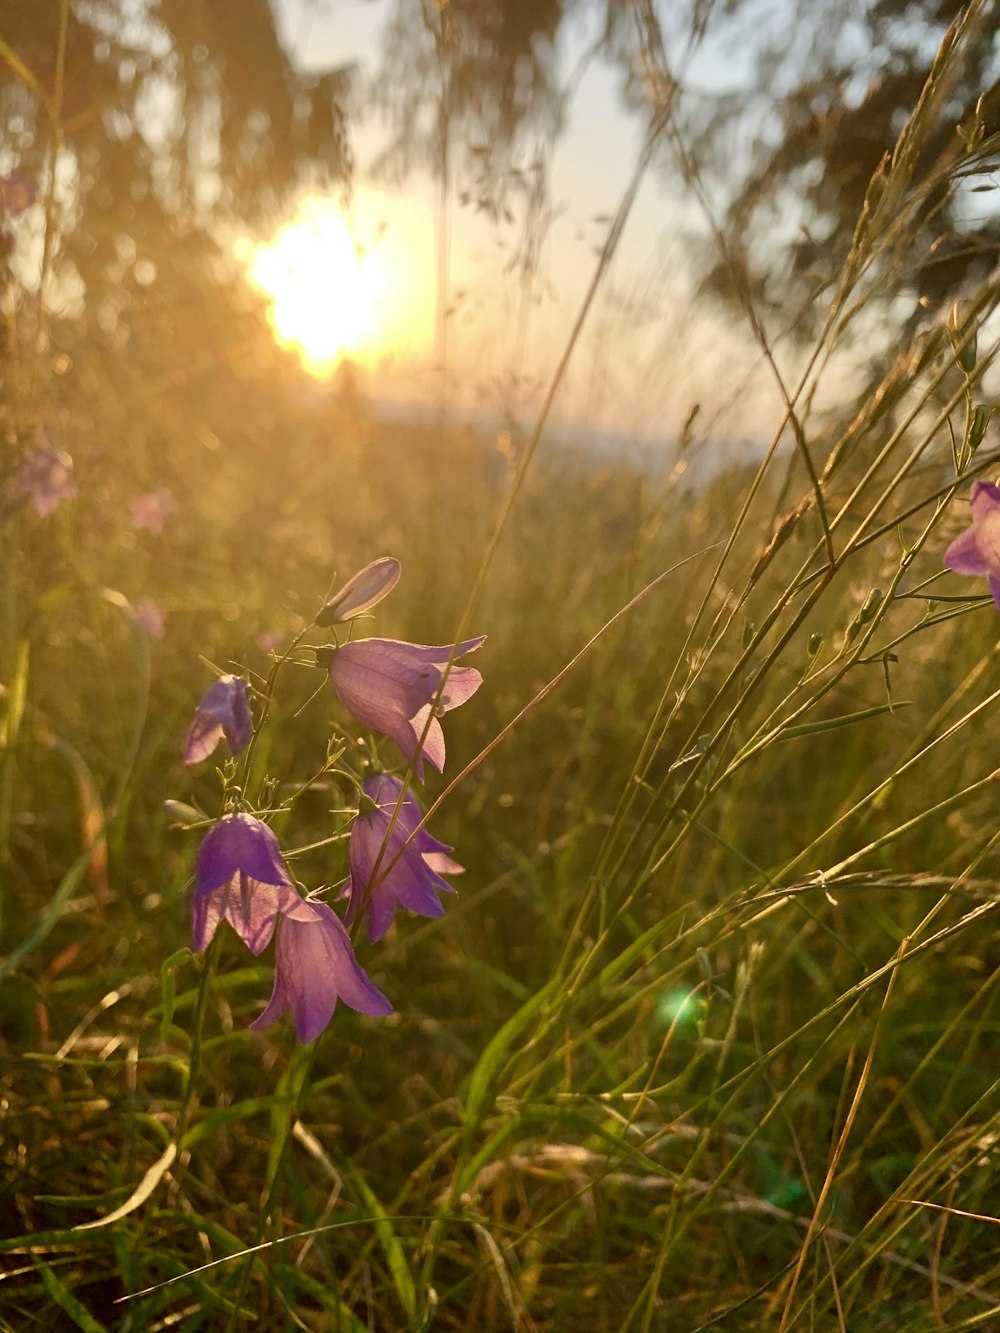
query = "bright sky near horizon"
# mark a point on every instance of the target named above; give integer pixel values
(359, 277)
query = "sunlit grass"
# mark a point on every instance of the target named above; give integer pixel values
(707, 1038)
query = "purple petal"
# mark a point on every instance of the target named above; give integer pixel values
(314, 967)
(984, 496)
(368, 693)
(433, 747)
(251, 908)
(239, 725)
(151, 509)
(47, 477)
(379, 911)
(461, 685)
(389, 685)
(417, 886)
(380, 700)
(239, 842)
(993, 583)
(443, 864)
(384, 789)
(421, 653)
(279, 1002)
(984, 501)
(964, 556)
(203, 736)
(406, 875)
(223, 711)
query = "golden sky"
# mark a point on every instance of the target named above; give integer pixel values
(357, 277)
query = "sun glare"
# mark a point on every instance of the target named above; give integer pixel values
(324, 286)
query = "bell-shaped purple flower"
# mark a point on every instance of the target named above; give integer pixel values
(240, 877)
(977, 550)
(314, 967)
(46, 478)
(411, 877)
(390, 686)
(151, 509)
(224, 710)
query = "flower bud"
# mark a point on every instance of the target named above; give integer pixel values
(960, 331)
(362, 592)
(978, 425)
(183, 815)
(872, 603)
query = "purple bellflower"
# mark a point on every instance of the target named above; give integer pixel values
(314, 967)
(414, 880)
(240, 877)
(149, 618)
(362, 592)
(390, 686)
(977, 550)
(151, 509)
(223, 711)
(46, 478)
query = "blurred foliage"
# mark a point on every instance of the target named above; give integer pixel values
(831, 94)
(716, 890)
(482, 65)
(177, 116)
(789, 111)
(168, 120)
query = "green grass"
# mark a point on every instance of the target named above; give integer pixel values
(708, 1038)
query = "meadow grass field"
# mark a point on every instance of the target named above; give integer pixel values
(706, 1038)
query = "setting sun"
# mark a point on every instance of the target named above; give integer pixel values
(325, 286)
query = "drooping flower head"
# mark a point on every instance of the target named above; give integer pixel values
(224, 710)
(414, 879)
(391, 686)
(977, 550)
(360, 593)
(151, 509)
(46, 477)
(314, 967)
(240, 877)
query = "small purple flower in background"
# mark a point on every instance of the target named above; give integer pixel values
(224, 710)
(314, 967)
(390, 686)
(977, 551)
(46, 478)
(149, 618)
(362, 592)
(17, 192)
(269, 640)
(151, 509)
(414, 880)
(240, 877)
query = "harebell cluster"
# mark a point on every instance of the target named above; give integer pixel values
(393, 689)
